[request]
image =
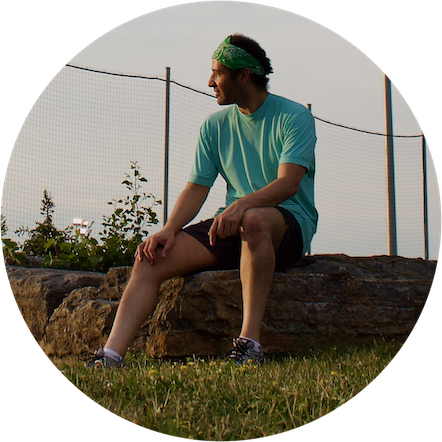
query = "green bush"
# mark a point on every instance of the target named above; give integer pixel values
(122, 232)
(10, 248)
(44, 231)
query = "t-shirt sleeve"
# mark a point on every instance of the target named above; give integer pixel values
(204, 170)
(299, 141)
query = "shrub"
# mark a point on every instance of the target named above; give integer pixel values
(10, 248)
(35, 245)
(122, 231)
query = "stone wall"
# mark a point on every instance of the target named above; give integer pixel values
(326, 299)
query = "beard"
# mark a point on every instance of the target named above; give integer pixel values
(223, 101)
(227, 96)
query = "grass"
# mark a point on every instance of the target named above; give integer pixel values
(213, 400)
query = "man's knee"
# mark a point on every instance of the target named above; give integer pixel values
(263, 224)
(144, 271)
(256, 225)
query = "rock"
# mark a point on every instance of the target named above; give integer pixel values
(115, 282)
(84, 319)
(80, 324)
(326, 299)
(39, 292)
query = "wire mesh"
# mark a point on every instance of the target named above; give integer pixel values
(86, 127)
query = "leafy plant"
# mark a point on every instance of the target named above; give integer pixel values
(74, 251)
(127, 226)
(35, 245)
(4, 227)
(122, 231)
(11, 249)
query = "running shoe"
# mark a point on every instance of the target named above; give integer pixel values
(100, 360)
(243, 352)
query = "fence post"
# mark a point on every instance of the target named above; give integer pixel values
(425, 190)
(309, 251)
(166, 148)
(392, 237)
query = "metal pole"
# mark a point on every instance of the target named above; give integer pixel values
(390, 169)
(425, 189)
(166, 148)
(309, 251)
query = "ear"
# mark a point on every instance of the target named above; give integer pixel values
(243, 75)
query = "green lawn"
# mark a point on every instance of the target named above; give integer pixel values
(211, 400)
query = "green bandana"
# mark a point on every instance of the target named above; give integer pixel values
(234, 58)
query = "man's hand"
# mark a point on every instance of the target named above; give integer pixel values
(226, 223)
(285, 186)
(164, 238)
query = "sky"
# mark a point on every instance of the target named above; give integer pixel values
(311, 63)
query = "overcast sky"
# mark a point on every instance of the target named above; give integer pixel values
(311, 63)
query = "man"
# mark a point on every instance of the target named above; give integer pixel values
(263, 146)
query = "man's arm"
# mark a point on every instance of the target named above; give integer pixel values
(186, 208)
(285, 186)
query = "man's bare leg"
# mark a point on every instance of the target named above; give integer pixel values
(262, 232)
(141, 294)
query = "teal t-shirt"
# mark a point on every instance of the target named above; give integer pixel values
(246, 150)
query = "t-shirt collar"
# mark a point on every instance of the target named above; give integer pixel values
(258, 113)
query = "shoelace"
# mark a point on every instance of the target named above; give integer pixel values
(239, 350)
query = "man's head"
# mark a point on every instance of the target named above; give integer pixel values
(237, 56)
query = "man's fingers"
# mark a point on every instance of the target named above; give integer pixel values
(149, 247)
(139, 252)
(166, 248)
(228, 229)
(213, 232)
(150, 252)
(221, 229)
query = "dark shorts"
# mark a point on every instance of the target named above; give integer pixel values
(228, 250)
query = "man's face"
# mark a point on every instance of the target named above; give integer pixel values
(227, 91)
